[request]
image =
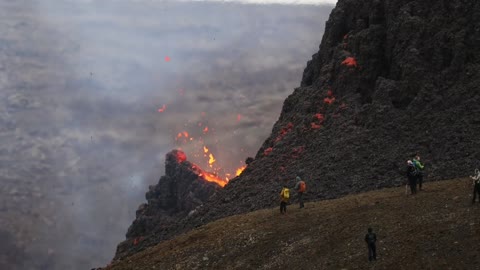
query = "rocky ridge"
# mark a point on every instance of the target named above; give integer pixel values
(178, 193)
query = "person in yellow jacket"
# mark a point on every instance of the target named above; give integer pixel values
(284, 198)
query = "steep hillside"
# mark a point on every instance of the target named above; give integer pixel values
(436, 229)
(391, 79)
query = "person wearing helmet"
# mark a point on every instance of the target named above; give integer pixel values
(300, 187)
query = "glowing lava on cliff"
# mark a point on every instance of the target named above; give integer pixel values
(208, 176)
(199, 149)
(198, 139)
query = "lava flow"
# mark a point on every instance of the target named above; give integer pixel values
(215, 172)
(193, 139)
(210, 177)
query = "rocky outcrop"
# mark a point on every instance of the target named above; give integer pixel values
(391, 79)
(178, 193)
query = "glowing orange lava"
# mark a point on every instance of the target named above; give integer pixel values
(197, 136)
(284, 131)
(181, 157)
(240, 170)
(320, 117)
(210, 177)
(328, 100)
(350, 62)
(211, 160)
(315, 126)
(268, 151)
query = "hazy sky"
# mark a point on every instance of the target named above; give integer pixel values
(81, 83)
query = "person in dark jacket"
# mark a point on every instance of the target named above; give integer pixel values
(419, 166)
(476, 185)
(371, 239)
(412, 176)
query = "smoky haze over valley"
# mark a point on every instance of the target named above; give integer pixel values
(81, 83)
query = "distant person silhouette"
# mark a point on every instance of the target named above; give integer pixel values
(419, 166)
(300, 187)
(371, 239)
(284, 197)
(476, 185)
(412, 176)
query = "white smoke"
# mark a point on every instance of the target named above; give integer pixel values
(268, 2)
(261, 2)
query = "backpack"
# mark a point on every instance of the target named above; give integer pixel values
(302, 187)
(286, 193)
(418, 168)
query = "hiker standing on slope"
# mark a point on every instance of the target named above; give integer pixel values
(300, 187)
(284, 197)
(371, 239)
(419, 166)
(412, 176)
(476, 185)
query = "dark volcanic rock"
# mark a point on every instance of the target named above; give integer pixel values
(176, 195)
(391, 78)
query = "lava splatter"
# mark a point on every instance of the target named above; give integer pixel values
(350, 62)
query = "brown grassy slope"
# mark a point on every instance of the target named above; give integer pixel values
(435, 229)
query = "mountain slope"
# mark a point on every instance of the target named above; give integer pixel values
(391, 79)
(436, 229)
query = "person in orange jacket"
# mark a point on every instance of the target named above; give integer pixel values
(300, 187)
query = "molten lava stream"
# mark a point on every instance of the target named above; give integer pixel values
(210, 177)
(240, 170)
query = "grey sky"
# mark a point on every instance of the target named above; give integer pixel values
(80, 86)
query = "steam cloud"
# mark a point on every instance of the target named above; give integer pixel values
(81, 84)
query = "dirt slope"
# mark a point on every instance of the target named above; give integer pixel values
(436, 229)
